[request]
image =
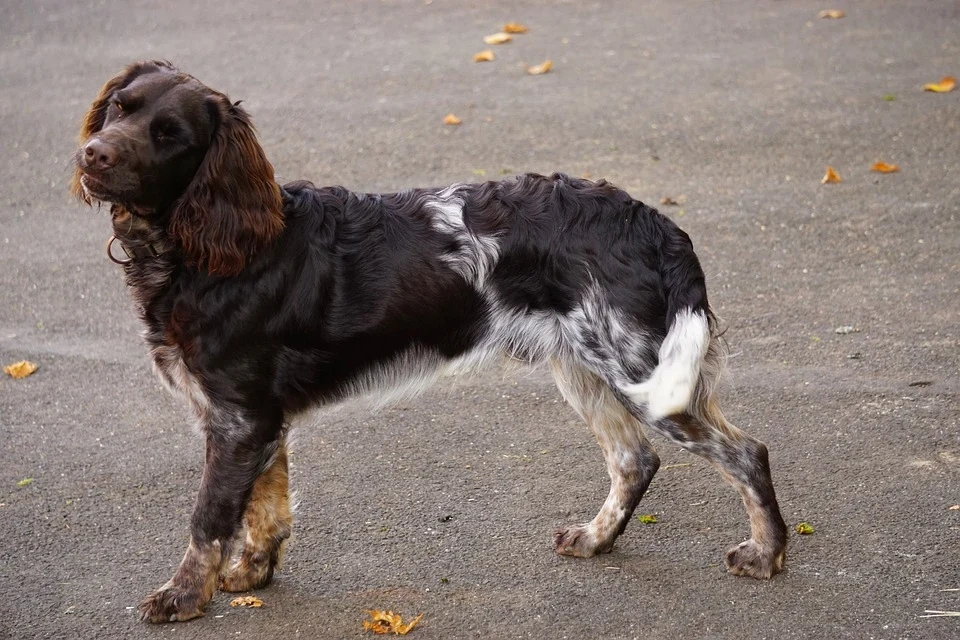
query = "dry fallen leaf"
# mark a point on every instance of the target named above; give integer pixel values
(247, 601)
(388, 622)
(955, 507)
(947, 83)
(831, 13)
(673, 202)
(883, 167)
(484, 56)
(540, 69)
(498, 38)
(451, 119)
(831, 176)
(514, 27)
(20, 369)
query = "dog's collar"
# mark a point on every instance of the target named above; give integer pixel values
(139, 239)
(140, 251)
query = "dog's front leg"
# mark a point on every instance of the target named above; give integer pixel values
(238, 449)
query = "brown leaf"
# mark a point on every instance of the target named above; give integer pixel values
(247, 601)
(835, 14)
(673, 202)
(451, 119)
(484, 56)
(498, 38)
(20, 369)
(540, 69)
(382, 622)
(883, 167)
(514, 27)
(831, 177)
(947, 83)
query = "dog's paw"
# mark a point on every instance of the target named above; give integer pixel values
(250, 571)
(579, 540)
(171, 603)
(752, 559)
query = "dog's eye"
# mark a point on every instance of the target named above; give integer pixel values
(118, 105)
(164, 133)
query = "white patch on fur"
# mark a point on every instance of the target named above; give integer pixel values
(405, 376)
(177, 378)
(528, 335)
(673, 382)
(477, 254)
(615, 343)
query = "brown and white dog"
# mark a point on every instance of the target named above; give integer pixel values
(261, 301)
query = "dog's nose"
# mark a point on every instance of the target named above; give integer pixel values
(100, 155)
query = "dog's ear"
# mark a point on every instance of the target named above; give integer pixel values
(97, 114)
(232, 208)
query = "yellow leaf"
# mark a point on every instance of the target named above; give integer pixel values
(498, 38)
(404, 629)
(247, 601)
(883, 167)
(514, 27)
(540, 69)
(451, 119)
(835, 14)
(647, 518)
(382, 622)
(484, 56)
(20, 369)
(947, 83)
(831, 177)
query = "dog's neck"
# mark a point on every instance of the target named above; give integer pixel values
(139, 235)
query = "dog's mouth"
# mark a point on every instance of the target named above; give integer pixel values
(96, 189)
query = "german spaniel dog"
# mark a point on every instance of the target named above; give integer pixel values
(261, 301)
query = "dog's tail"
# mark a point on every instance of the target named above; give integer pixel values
(690, 324)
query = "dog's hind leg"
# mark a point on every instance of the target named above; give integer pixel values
(743, 461)
(268, 523)
(240, 445)
(631, 461)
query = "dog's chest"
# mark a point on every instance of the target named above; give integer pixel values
(178, 379)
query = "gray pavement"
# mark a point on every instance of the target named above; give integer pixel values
(737, 105)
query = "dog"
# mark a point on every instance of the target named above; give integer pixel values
(261, 301)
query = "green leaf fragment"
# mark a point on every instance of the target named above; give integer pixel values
(804, 529)
(25, 482)
(647, 518)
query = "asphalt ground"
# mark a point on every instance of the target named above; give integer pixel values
(445, 505)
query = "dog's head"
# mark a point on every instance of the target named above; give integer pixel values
(166, 147)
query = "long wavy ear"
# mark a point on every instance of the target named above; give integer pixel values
(232, 208)
(93, 121)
